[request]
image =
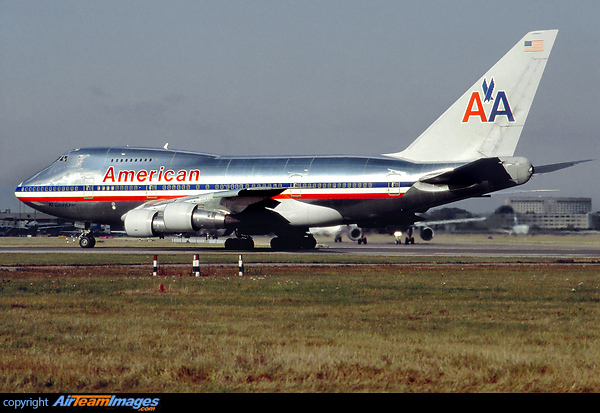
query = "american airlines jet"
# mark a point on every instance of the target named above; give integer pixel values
(151, 192)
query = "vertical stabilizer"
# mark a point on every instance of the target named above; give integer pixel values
(488, 119)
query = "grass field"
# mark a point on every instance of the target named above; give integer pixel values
(440, 327)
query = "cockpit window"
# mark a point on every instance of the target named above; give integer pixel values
(63, 158)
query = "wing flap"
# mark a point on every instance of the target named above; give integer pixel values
(233, 201)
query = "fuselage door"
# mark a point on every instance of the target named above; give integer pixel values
(151, 191)
(296, 185)
(393, 184)
(88, 188)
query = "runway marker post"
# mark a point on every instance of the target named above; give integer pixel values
(155, 267)
(196, 265)
(240, 266)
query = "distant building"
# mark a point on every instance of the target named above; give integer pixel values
(553, 213)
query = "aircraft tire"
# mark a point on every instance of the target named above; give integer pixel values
(247, 244)
(277, 244)
(309, 243)
(284, 244)
(87, 241)
(293, 243)
(239, 244)
(230, 243)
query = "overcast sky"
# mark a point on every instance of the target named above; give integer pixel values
(284, 77)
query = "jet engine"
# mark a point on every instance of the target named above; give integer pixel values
(355, 233)
(177, 217)
(426, 233)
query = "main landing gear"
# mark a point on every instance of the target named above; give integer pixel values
(240, 242)
(279, 243)
(87, 240)
(305, 242)
(246, 243)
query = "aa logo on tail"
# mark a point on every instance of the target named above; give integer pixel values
(500, 107)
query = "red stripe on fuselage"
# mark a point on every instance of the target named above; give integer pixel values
(302, 196)
(338, 196)
(96, 198)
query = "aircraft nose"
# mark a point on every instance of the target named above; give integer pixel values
(44, 177)
(31, 181)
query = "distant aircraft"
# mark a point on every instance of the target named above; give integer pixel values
(467, 152)
(425, 229)
(406, 235)
(518, 229)
(354, 232)
(505, 221)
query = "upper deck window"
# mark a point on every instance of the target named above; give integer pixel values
(116, 160)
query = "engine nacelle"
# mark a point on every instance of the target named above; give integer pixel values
(138, 222)
(355, 232)
(177, 217)
(211, 219)
(426, 233)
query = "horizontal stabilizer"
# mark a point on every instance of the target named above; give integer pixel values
(449, 222)
(556, 166)
(486, 169)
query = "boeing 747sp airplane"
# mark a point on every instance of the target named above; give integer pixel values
(467, 152)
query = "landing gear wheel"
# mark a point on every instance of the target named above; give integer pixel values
(247, 243)
(87, 241)
(277, 244)
(293, 243)
(239, 244)
(309, 242)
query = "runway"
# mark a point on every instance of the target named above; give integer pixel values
(475, 250)
(379, 247)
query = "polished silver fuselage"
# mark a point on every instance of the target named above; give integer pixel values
(100, 185)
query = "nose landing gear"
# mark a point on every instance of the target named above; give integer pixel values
(87, 240)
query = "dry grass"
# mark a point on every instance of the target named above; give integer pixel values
(386, 328)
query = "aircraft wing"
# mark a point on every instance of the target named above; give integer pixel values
(213, 210)
(234, 201)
